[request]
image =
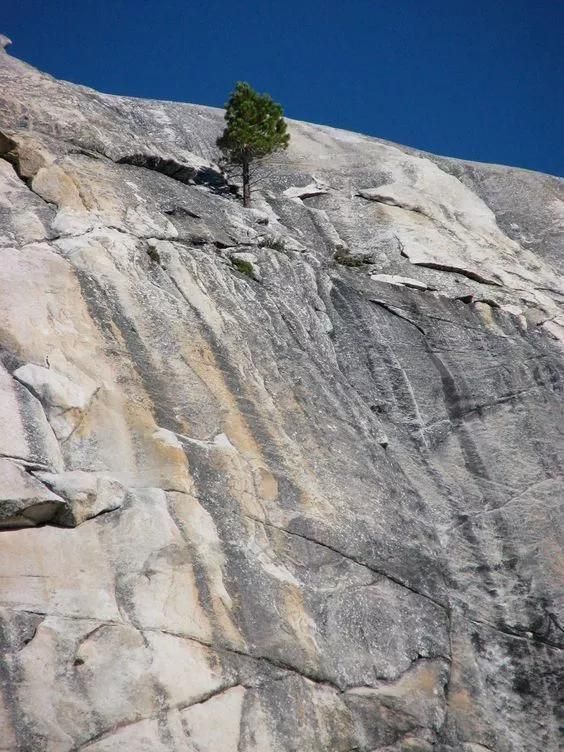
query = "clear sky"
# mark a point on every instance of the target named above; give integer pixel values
(477, 79)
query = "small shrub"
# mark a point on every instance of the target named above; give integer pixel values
(345, 259)
(245, 267)
(153, 254)
(270, 241)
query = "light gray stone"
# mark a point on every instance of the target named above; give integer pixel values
(24, 501)
(307, 191)
(87, 494)
(317, 510)
(395, 279)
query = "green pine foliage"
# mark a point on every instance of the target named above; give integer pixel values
(255, 129)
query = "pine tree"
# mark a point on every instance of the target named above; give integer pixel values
(255, 129)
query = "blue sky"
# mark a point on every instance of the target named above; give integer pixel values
(481, 80)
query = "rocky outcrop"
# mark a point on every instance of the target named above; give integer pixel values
(279, 479)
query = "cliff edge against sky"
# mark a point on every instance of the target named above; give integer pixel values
(285, 479)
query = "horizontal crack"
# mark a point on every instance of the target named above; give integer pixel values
(395, 312)
(27, 463)
(393, 579)
(167, 709)
(218, 648)
(192, 175)
(475, 276)
(512, 632)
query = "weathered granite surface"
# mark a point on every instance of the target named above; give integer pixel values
(317, 506)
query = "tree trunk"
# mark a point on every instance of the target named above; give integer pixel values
(246, 184)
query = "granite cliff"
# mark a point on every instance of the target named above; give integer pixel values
(286, 479)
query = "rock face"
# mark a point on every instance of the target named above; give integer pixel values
(286, 479)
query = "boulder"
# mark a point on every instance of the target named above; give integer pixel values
(24, 500)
